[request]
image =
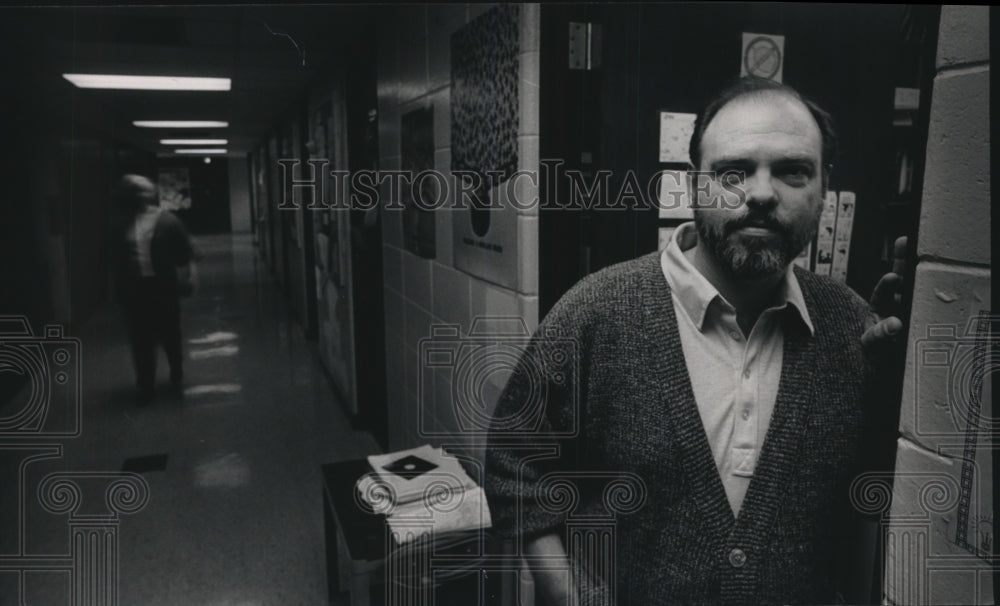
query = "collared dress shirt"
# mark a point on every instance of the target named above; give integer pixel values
(734, 376)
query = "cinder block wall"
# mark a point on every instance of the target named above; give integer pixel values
(940, 526)
(414, 72)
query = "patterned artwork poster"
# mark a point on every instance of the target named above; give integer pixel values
(675, 134)
(175, 188)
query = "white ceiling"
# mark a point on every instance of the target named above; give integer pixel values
(245, 43)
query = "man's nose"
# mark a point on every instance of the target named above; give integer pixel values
(760, 190)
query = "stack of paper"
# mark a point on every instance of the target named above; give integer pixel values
(428, 491)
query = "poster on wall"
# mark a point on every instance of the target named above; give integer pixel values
(175, 188)
(673, 201)
(842, 235)
(824, 237)
(485, 109)
(675, 135)
(763, 56)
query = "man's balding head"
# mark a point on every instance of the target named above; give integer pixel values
(750, 86)
(135, 192)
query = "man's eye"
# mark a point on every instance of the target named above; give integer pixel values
(795, 175)
(732, 177)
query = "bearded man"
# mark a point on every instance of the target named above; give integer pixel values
(727, 385)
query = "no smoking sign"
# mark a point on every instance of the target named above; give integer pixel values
(763, 56)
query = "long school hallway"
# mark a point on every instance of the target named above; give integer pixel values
(234, 508)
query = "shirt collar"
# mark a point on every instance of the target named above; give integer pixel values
(695, 293)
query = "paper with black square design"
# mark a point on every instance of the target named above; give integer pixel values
(410, 473)
(426, 485)
(409, 467)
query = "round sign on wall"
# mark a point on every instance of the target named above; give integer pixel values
(762, 58)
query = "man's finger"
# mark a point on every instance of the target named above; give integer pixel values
(884, 331)
(884, 296)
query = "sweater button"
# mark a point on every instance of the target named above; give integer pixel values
(737, 558)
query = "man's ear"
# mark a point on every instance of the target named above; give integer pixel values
(826, 178)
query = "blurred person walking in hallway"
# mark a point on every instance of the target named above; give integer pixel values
(153, 265)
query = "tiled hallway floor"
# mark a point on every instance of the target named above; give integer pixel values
(234, 516)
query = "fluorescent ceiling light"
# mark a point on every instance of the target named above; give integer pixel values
(207, 150)
(194, 141)
(180, 123)
(147, 82)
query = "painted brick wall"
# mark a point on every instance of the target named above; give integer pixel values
(414, 71)
(940, 522)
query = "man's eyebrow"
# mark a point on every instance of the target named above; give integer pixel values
(732, 161)
(796, 159)
(743, 161)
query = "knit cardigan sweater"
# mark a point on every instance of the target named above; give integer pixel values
(617, 440)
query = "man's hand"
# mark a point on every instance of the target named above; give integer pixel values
(556, 587)
(884, 326)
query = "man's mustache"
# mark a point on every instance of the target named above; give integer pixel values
(751, 220)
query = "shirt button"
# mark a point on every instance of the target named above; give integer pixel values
(746, 373)
(746, 415)
(737, 558)
(735, 334)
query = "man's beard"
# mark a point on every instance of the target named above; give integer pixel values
(751, 258)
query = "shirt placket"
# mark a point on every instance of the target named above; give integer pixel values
(745, 404)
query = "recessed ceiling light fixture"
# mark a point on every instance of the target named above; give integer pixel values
(120, 82)
(180, 123)
(194, 141)
(204, 150)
